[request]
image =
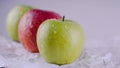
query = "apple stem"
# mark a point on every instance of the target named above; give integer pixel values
(63, 18)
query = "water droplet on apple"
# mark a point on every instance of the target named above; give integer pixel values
(52, 25)
(55, 32)
(66, 27)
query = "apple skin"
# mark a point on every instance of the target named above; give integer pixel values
(13, 20)
(60, 42)
(29, 24)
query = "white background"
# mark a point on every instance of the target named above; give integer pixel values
(100, 19)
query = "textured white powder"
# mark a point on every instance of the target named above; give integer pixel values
(96, 54)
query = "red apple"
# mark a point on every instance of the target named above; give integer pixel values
(29, 24)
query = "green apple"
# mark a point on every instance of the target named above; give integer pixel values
(60, 41)
(13, 20)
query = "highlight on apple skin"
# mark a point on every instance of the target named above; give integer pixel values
(13, 19)
(29, 24)
(60, 41)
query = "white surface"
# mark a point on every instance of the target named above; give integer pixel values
(96, 54)
(100, 18)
